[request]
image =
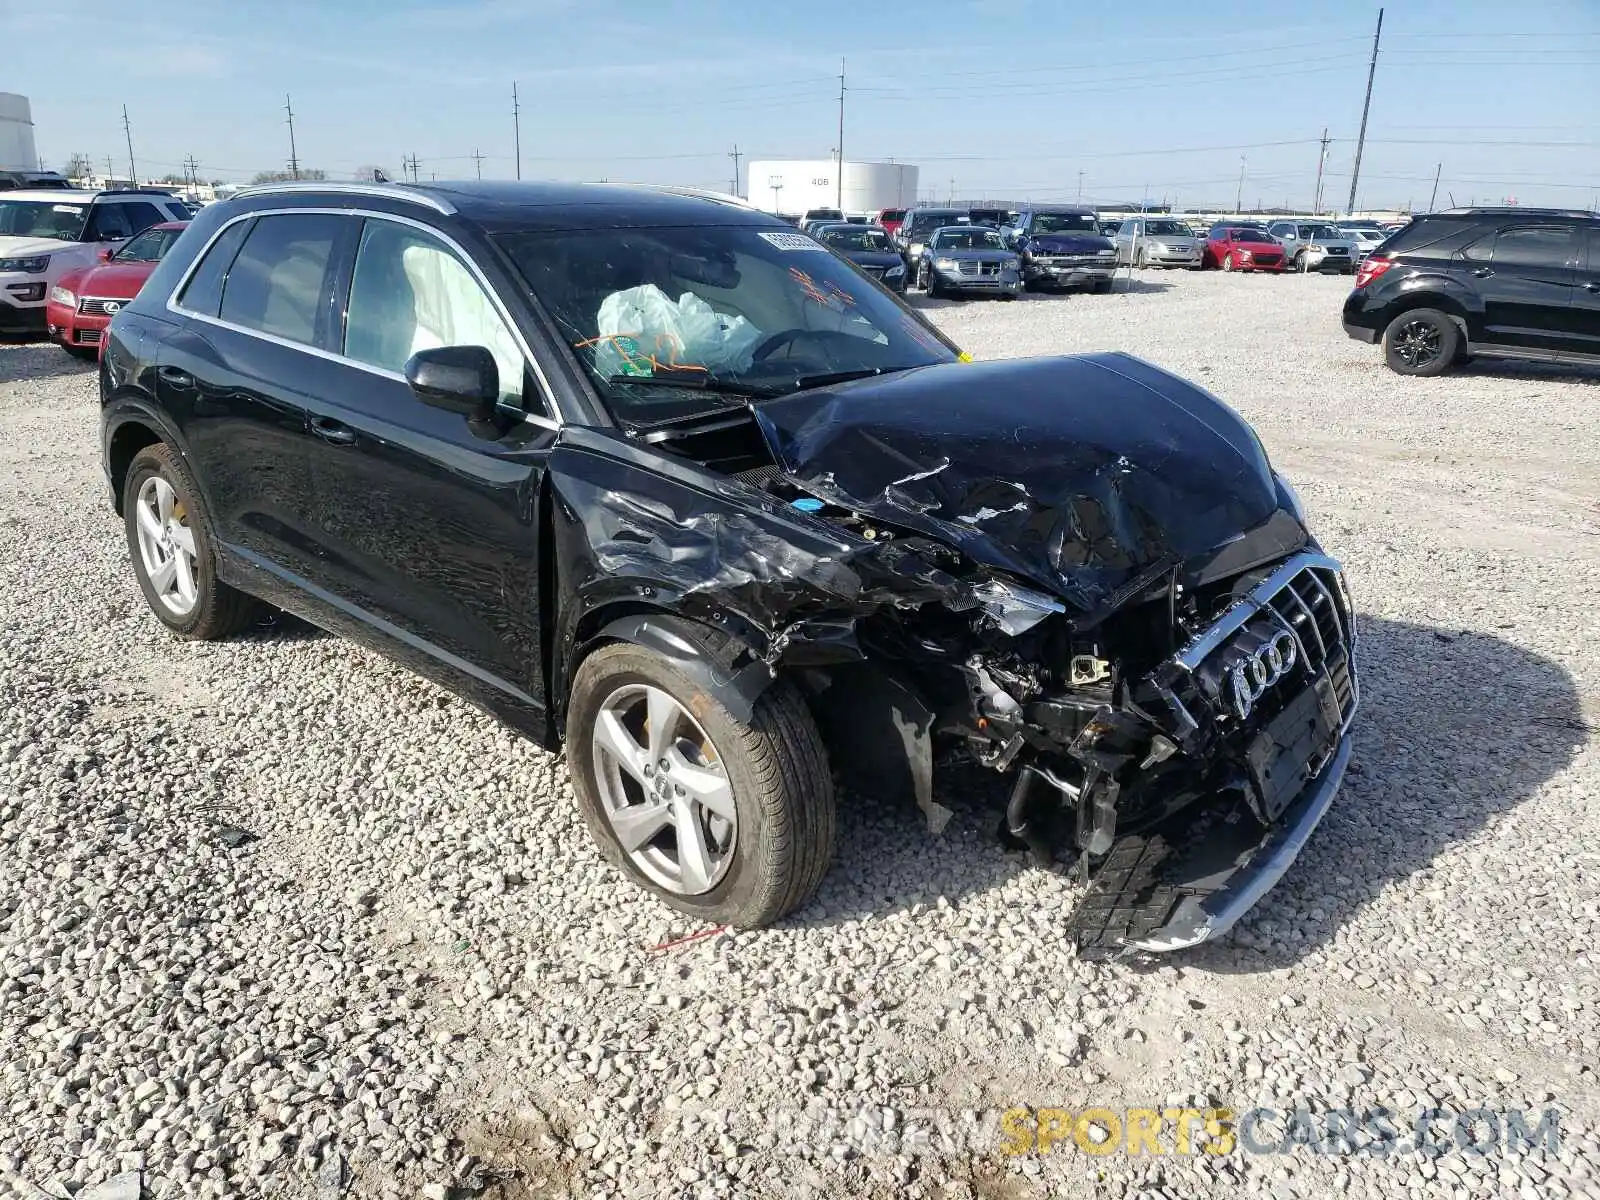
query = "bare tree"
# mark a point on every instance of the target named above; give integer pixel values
(281, 176)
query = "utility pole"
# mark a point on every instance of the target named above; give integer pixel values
(1080, 187)
(516, 127)
(294, 158)
(127, 129)
(110, 170)
(734, 154)
(775, 182)
(1238, 196)
(191, 172)
(410, 164)
(477, 161)
(839, 199)
(1435, 194)
(1322, 161)
(1366, 105)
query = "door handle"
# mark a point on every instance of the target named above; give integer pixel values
(335, 433)
(175, 376)
(1482, 273)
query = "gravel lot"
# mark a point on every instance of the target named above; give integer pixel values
(419, 977)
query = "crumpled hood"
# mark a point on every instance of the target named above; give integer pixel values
(27, 247)
(1069, 243)
(1077, 472)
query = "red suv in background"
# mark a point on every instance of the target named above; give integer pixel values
(1242, 248)
(84, 300)
(889, 219)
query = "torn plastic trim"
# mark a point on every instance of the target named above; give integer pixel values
(1200, 919)
(1013, 608)
(737, 691)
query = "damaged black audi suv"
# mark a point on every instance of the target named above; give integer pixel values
(650, 474)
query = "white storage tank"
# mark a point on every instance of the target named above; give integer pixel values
(17, 151)
(793, 186)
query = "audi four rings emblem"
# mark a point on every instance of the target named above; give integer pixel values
(1259, 669)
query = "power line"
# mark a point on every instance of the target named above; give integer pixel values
(1366, 105)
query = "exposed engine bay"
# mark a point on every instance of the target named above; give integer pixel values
(1079, 573)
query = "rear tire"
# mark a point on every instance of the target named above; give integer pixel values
(1421, 341)
(173, 556)
(780, 844)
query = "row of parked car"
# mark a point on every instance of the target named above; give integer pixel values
(70, 258)
(955, 250)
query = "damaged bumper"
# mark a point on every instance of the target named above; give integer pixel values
(1233, 890)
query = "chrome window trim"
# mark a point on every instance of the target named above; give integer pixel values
(555, 421)
(389, 191)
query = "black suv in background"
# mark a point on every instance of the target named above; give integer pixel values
(651, 473)
(1496, 282)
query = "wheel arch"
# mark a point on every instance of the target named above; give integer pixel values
(720, 662)
(1440, 295)
(128, 430)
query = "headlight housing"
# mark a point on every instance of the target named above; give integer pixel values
(945, 264)
(61, 295)
(36, 265)
(897, 269)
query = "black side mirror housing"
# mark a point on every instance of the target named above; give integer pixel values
(458, 379)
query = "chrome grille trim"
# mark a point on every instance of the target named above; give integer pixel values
(1296, 588)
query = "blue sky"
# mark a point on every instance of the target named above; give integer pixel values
(1003, 98)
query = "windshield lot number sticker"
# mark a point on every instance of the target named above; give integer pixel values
(793, 241)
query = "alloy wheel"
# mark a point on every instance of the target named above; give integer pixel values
(1418, 343)
(664, 789)
(1227, 262)
(167, 547)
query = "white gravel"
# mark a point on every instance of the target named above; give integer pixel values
(419, 976)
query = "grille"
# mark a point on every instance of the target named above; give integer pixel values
(1305, 598)
(87, 337)
(90, 306)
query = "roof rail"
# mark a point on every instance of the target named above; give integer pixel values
(703, 194)
(391, 191)
(1512, 210)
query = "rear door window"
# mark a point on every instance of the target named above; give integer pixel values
(278, 283)
(1534, 246)
(203, 293)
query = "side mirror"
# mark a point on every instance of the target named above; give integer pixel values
(105, 252)
(458, 379)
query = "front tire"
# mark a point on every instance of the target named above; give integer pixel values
(1227, 262)
(169, 538)
(727, 822)
(1422, 341)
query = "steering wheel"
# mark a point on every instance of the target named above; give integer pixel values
(782, 338)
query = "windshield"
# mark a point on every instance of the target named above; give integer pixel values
(1064, 223)
(892, 214)
(42, 219)
(967, 239)
(1250, 233)
(150, 246)
(1166, 229)
(927, 222)
(718, 312)
(856, 239)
